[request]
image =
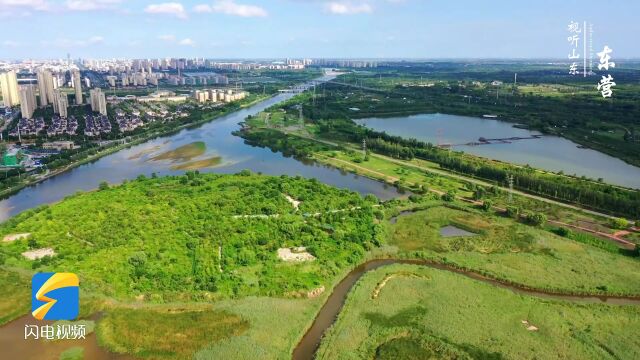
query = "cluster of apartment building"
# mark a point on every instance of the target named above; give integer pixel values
(209, 79)
(98, 101)
(164, 64)
(349, 63)
(135, 79)
(218, 95)
(162, 95)
(96, 125)
(48, 92)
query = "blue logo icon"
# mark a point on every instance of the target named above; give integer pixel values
(55, 296)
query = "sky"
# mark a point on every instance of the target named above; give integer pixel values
(38, 29)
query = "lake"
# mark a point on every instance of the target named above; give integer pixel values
(548, 152)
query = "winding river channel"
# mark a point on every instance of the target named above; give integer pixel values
(306, 348)
(232, 155)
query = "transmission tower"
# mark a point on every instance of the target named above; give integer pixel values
(510, 181)
(364, 147)
(301, 117)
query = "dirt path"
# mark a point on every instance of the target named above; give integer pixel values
(613, 237)
(385, 176)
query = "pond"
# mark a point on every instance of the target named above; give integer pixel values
(452, 231)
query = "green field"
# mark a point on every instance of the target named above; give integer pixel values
(164, 248)
(544, 99)
(154, 334)
(515, 252)
(17, 284)
(187, 265)
(435, 314)
(196, 236)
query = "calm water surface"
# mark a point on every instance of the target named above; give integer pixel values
(235, 154)
(549, 152)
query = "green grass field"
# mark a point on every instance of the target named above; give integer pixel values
(515, 252)
(153, 334)
(189, 264)
(441, 315)
(17, 285)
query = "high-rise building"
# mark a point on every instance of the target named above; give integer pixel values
(9, 88)
(77, 84)
(42, 87)
(98, 101)
(48, 80)
(63, 103)
(112, 80)
(55, 104)
(27, 101)
(47, 83)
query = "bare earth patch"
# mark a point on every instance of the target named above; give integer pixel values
(295, 254)
(14, 237)
(294, 202)
(38, 254)
(315, 292)
(528, 325)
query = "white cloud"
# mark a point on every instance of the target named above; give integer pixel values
(22, 8)
(170, 8)
(203, 8)
(187, 42)
(90, 5)
(167, 37)
(348, 7)
(230, 7)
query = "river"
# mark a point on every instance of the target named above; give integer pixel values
(216, 135)
(548, 152)
(308, 345)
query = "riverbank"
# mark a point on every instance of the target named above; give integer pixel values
(498, 141)
(138, 140)
(573, 136)
(443, 314)
(416, 174)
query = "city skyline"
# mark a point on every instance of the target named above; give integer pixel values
(313, 28)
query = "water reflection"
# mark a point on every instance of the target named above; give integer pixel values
(216, 136)
(549, 152)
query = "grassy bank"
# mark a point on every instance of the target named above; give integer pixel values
(157, 334)
(17, 285)
(138, 139)
(515, 252)
(436, 314)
